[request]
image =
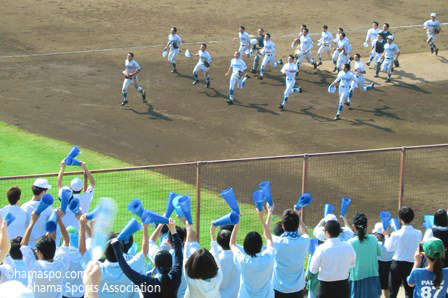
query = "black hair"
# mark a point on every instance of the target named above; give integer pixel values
(163, 261)
(290, 221)
(47, 246)
(376, 23)
(132, 54)
(437, 269)
(227, 227)
(268, 34)
(292, 56)
(13, 195)
(181, 232)
(358, 55)
(15, 252)
(380, 36)
(175, 29)
(360, 223)
(304, 26)
(333, 228)
(201, 265)
(341, 29)
(306, 30)
(325, 26)
(387, 24)
(127, 244)
(343, 34)
(109, 253)
(242, 27)
(165, 229)
(37, 190)
(406, 214)
(204, 44)
(261, 29)
(223, 239)
(347, 66)
(253, 243)
(278, 229)
(440, 218)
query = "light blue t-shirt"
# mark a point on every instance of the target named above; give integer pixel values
(386, 256)
(291, 250)
(423, 281)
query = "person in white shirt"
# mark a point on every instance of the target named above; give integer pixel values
(347, 81)
(290, 70)
(18, 226)
(132, 68)
(203, 65)
(5, 246)
(384, 261)
(291, 249)
(269, 55)
(230, 284)
(345, 235)
(336, 53)
(244, 40)
(50, 262)
(390, 55)
(333, 260)
(256, 266)
(372, 36)
(39, 188)
(432, 27)
(238, 69)
(403, 243)
(174, 42)
(15, 262)
(303, 47)
(359, 72)
(324, 44)
(256, 49)
(343, 47)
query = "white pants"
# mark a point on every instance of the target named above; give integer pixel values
(323, 49)
(361, 83)
(200, 67)
(268, 58)
(376, 57)
(243, 50)
(172, 55)
(301, 55)
(342, 59)
(235, 79)
(388, 63)
(289, 86)
(343, 94)
(128, 82)
(431, 38)
(335, 56)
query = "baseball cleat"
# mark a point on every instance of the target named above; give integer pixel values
(253, 71)
(281, 107)
(337, 117)
(260, 77)
(375, 75)
(368, 63)
(144, 97)
(315, 65)
(195, 82)
(432, 50)
(174, 70)
(372, 85)
(320, 63)
(388, 81)
(230, 102)
(436, 51)
(125, 102)
(347, 103)
(207, 84)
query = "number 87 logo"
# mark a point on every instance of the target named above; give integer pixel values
(426, 291)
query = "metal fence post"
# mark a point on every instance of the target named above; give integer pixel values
(401, 189)
(304, 178)
(198, 198)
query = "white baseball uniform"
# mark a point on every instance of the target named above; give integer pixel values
(269, 55)
(431, 26)
(131, 67)
(290, 70)
(336, 53)
(304, 49)
(359, 74)
(389, 57)
(204, 56)
(342, 57)
(347, 82)
(238, 67)
(244, 43)
(372, 35)
(175, 42)
(325, 44)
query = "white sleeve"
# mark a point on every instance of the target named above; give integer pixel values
(284, 69)
(215, 252)
(315, 260)
(153, 250)
(244, 65)
(391, 242)
(292, 45)
(425, 24)
(28, 257)
(368, 35)
(63, 256)
(311, 44)
(398, 50)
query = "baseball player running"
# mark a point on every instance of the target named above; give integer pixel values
(324, 44)
(174, 42)
(238, 69)
(256, 47)
(303, 46)
(203, 65)
(385, 32)
(132, 68)
(372, 36)
(289, 69)
(343, 47)
(359, 72)
(432, 27)
(389, 57)
(269, 55)
(244, 42)
(347, 81)
(336, 52)
(379, 49)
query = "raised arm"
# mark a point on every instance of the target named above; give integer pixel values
(5, 244)
(87, 172)
(29, 229)
(270, 212)
(302, 226)
(64, 233)
(156, 234)
(82, 234)
(232, 243)
(176, 271)
(266, 233)
(61, 174)
(145, 240)
(212, 232)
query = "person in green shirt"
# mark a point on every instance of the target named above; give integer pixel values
(364, 277)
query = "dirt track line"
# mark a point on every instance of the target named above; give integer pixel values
(162, 45)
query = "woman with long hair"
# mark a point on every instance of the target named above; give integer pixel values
(439, 230)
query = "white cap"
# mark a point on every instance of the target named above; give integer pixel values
(378, 228)
(391, 37)
(42, 183)
(330, 216)
(76, 184)
(433, 14)
(64, 188)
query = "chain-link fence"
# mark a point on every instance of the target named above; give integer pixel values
(374, 180)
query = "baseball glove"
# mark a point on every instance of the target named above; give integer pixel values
(240, 75)
(206, 64)
(397, 63)
(174, 44)
(437, 30)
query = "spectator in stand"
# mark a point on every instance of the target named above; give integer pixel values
(403, 243)
(431, 281)
(439, 230)
(202, 269)
(333, 260)
(18, 226)
(230, 284)
(291, 249)
(256, 267)
(312, 280)
(5, 246)
(15, 262)
(39, 188)
(345, 235)
(364, 277)
(384, 261)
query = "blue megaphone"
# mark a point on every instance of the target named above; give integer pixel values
(395, 224)
(136, 207)
(70, 159)
(176, 203)
(344, 206)
(65, 195)
(265, 186)
(93, 214)
(186, 209)
(52, 223)
(169, 205)
(45, 201)
(229, 219)
(328, 209)
(9, 218)
(258, 198)
(428, 221)
(132, 227)
(151, 217)
(230, 199)
(385, 219)
(74, 206)
(304, 200)
(313, 244)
